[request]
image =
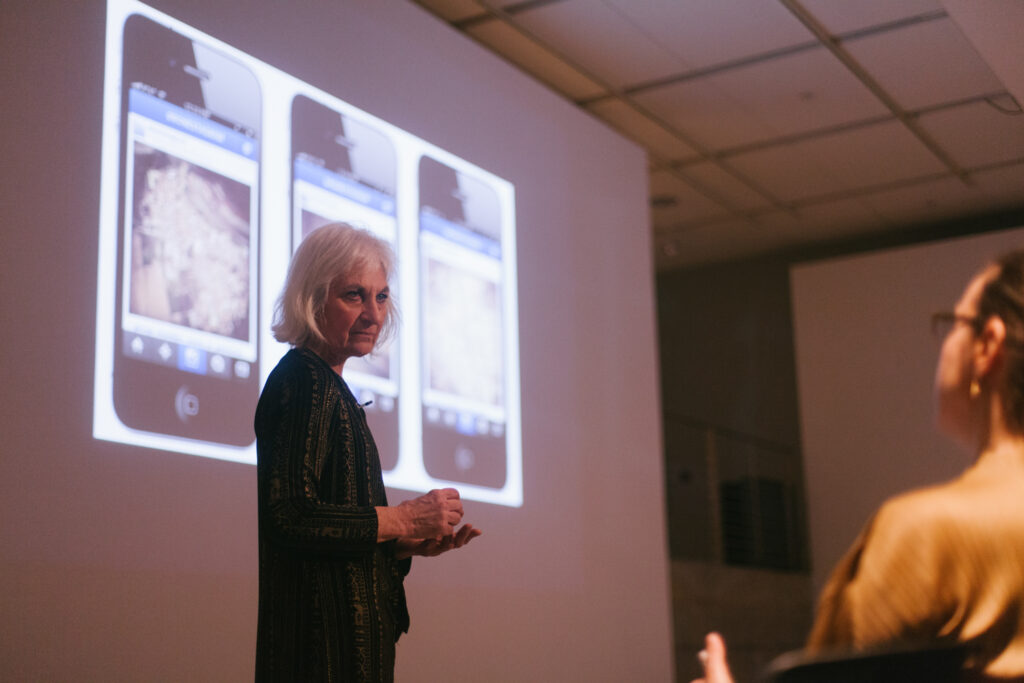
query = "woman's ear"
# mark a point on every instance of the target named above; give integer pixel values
(989, 346)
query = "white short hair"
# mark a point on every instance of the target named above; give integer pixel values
(329, 252)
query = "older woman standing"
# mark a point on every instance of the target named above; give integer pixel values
(946, 563)
(332, 553)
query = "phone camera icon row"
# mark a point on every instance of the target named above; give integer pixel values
(464, 423)
(188, 358)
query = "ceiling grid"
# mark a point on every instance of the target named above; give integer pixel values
(775, 124)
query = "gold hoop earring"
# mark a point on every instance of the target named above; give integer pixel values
(975, 389)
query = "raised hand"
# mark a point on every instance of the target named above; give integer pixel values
(716, 668)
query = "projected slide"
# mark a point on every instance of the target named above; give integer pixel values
(346, 170)
(215, 167)
(462, 326)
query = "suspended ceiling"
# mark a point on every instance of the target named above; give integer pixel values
(776, 124)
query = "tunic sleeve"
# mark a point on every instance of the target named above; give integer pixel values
(301, 428)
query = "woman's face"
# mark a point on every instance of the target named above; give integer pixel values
(356, 307)
(955, 369)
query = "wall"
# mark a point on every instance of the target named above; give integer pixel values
(728, 373)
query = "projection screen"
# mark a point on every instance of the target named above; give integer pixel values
(134, 556)
(215, 166)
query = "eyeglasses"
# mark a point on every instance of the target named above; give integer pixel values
(943, 322)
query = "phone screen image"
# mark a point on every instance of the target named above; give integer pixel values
(185, 340)
(462, 320)
(215, 166)
(344, 169)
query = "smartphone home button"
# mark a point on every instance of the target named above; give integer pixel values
(464, 458)
(186, 404)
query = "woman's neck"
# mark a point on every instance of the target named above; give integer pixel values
(995, 435)
(335, 360)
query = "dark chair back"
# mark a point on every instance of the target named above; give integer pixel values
(932, 663)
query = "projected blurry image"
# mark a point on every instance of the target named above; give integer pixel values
(463, 334)
(464, 323)
(190, 246)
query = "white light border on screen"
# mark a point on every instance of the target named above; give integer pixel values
(277, 91)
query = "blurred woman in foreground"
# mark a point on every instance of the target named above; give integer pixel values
(945, 564)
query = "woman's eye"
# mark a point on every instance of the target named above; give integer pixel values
(382, 297)
(352, 296)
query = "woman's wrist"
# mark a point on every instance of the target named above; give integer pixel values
(391, 523)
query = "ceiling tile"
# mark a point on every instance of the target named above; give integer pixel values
(726, 185)
(690, 205)
(844, 16)
(855, 159)
(534, 59)
(706, 113)
(598, 37)
(978, 134)
(925, 202)
(665, 182)
(806, 91)
(452, 10)
(925, 64)
(694, 30)
(824, 221)
(1004, 186)
(641, 129)
(738, 238)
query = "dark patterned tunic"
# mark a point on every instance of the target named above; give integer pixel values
(331, 600)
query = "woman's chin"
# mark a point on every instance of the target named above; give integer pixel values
(359, 349)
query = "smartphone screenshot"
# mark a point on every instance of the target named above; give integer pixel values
(344, 169)
(185, 315)
(462, 319)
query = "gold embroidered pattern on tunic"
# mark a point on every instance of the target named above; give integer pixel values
(331, 600)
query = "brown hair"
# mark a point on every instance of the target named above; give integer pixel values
(1003, 297)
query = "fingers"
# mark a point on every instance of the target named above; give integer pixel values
(465, 535)
(451, 505)
(432, 547)
(449, 498)
(437, 513)
(427, 548)
(713, 656)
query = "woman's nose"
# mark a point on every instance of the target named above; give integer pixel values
(374, 311)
